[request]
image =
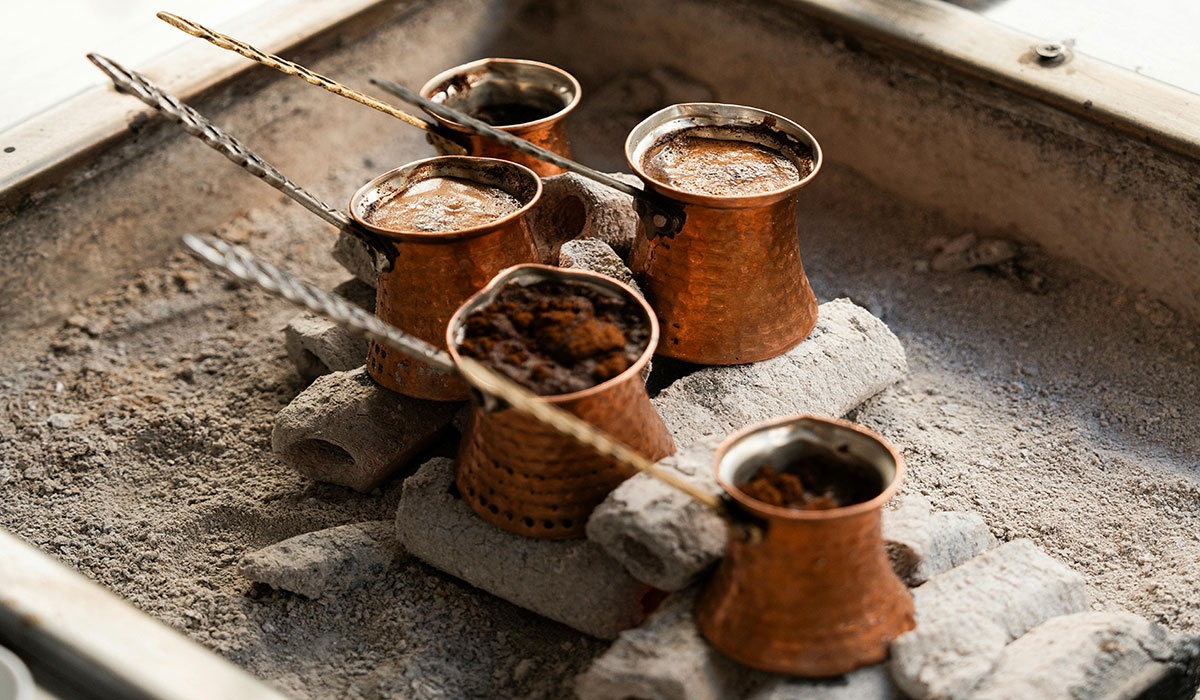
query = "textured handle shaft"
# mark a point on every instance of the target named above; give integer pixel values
(525, 401)
(283, 65)
(245, 266)
(197, 125)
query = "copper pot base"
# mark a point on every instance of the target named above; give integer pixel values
(817, 597)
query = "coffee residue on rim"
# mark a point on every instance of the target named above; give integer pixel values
(441, 204)
(816, 481)
(556, 337)
(725, 167)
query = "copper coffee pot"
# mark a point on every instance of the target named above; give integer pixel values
(498, 82)
(526, 477)
(432, 274)
(729, 287)
(815, 595)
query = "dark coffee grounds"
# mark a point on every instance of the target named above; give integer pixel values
(507, 113)
(556, 337)
(816, 482)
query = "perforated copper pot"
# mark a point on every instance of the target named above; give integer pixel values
(527, 478)
(729, 287)
(492, 81)
(817, 596)
(434, 273)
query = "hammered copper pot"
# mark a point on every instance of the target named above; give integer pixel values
(500, 81)
(730, 286)
(817, 596)
(527, 478)
(434, 273)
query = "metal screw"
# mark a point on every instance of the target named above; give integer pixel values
(1051, 53)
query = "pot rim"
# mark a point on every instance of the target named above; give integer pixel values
(430, 88)
(443, 236)
(541, 272)
(698, 114)
(757, 506)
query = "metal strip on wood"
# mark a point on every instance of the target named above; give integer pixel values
(1160, 114)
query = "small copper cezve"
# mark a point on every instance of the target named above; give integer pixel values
(433, 273)
(528, 478)
(528, 99)
(817, 595)
(729, 288)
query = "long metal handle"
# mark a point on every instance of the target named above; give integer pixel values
(194, 123)
(661, 216)
(283, 65)
(245, 266)
(197, 125)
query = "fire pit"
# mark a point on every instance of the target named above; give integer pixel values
(149, 469)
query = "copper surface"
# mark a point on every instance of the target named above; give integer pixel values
(454, 86)
(817, 596)
(730, 287)
(528, 478)
(434, 273)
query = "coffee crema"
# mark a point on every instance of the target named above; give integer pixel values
(556, 337)
(720, 167)
(441, 204)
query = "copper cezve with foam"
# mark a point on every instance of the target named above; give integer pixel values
(729, 288)
(435, 270)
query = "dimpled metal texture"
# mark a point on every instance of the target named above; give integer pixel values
(434, 273)
(550, 132)
(527, 478)
(817, 597)
(729, 288)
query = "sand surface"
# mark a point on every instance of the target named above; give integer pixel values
(134, 445)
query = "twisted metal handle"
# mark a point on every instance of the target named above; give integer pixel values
(660, 216)
(309, 76)
(247, 267)
(197, 125)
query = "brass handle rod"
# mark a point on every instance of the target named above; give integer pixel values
(283, 65)
(245, 266)
(196, 124)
